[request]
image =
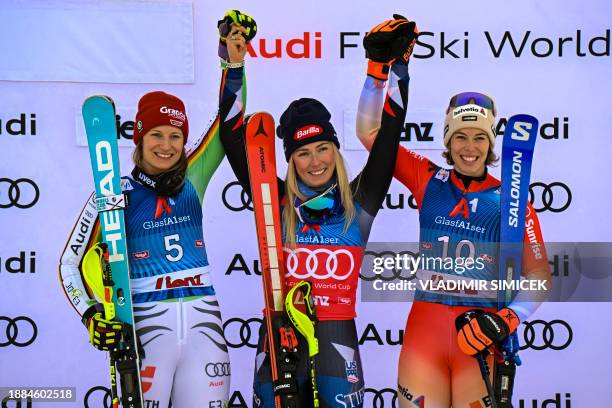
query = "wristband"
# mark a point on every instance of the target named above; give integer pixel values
(378, 70)
(225, 64)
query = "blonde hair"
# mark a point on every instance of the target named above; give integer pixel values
(292, 190)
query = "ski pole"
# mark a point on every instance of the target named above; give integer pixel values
(305, 324)
(99, 278)
(461, 321)
(485, 372)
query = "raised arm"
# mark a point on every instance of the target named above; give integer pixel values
(232, 102)
(204, 158)
(411, 169)
(391, 40)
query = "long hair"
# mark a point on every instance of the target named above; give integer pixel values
(292, 190)
(180, 165)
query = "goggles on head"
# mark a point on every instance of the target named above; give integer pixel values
(476, 98)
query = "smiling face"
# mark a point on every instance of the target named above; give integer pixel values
(161, 149)
(315, 163)
(469, 148)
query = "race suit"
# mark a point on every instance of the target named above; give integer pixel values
(177, 317)
(459, 216)
(339, 372)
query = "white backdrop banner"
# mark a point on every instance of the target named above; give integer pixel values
(547, 58)
(97, 41)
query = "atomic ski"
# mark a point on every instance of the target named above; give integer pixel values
(517, 153)
(282, 341)
(101, 129)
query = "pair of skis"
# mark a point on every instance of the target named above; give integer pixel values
(105, 266)
(517, 154)
(281, 315)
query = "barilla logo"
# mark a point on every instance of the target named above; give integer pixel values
(199, 243)
(105, 166)
(307, 131)
(141, 255)
(344, 301)
(462, 110)
(175, 113)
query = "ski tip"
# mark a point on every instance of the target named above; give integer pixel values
(525, 118)
(101, 98)
(522, 127)
(260, 124)
(98, 100)
(262, 114)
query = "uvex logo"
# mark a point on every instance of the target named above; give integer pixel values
(104, 165)
(306, 46)
(307, 131)
(168, 283)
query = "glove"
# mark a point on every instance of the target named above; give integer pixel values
(387, 41)
(477, 329)
(103, 334)
(225, 24)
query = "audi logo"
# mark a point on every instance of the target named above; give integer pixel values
(19, 332)
(98, 397)
(238, 198)
(246, 331)
(368, 267)
(338, 264)
(387, 397)
(217, 369)
(539, 335)
(12, 195)
(554, 197)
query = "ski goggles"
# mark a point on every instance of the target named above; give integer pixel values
(317, 207)
(475, 98)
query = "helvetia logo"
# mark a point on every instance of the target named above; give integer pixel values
(469, 109)
(307, 131)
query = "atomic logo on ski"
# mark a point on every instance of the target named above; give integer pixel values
(260, 128)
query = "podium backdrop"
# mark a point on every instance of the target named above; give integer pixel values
(547, 58)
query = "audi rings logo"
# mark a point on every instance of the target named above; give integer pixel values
(385, 398)
(242, 333)
(19, 332)
(320, 263)
(235, 198)
(98, 397)
(20, 193)
(387, 275)
(555, 197)
(539, 335)
(217, 369)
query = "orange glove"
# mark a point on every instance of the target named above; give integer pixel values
(477, 330)
(387, 41)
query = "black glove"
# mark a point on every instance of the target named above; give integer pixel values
(225, 24)
(391, 39)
